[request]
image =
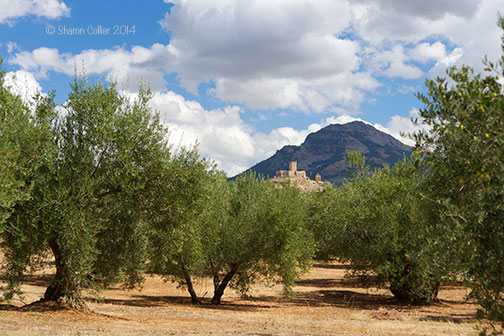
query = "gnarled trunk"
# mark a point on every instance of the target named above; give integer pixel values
(63, 288)
(190, 287)
(220, 287)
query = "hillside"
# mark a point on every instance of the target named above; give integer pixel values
(324, 151)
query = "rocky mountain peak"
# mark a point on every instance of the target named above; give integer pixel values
(324, 151)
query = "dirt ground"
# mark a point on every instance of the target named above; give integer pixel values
(327, 303)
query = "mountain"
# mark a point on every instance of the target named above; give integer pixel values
(324, 151)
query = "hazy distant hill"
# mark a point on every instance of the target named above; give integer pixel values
(324, 151)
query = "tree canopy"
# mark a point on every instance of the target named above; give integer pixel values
(85, 200)
(464, 151)
(382, 225)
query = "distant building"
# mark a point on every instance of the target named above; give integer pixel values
(299, 179)
(292, 172)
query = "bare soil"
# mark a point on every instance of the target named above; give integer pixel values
(327, 303)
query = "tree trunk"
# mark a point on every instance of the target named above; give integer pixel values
(63, 288)
(413, 287)
(215, 277)
(190, 287)
(219, 290)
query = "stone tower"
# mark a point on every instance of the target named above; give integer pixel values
(292, 172)
(293, 166)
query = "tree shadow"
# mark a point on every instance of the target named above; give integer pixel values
(331, 266)
(346, 282)
(144, 300)
(351, 299)
(337, 298)
(42, 306)
(41, 280)
(452, 318)
(332, 292)
(160, 301)
(6, 306)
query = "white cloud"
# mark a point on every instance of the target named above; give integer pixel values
(11, 46)
(23, 84)
(13, 9)
(451, 59)
(386, 20)
(220, 133)
(268, 54)
(469, 25)
(392, 63)
(424, 52)
(299, 55)
(401, 127)
(121, 65)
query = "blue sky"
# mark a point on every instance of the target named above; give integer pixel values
(244, 78)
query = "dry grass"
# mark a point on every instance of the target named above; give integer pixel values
(327, 303)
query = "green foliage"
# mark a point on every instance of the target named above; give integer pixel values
(98, 188)
(183, 190)
(324, 215)
(383, 226)
(86, 200)
(26, 152)
(263, 234)
(464, 151)
(358, 169)
(234, 232)
(12, 112)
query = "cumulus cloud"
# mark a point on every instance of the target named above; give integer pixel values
(392, 63)
(13, 9)
(268, 54)
(221, 134)
(402, 128)
(386, 20)
(428, 9)
(424, 52)
(121, 65)
(23, 84)
(469, 25)
(299, 55)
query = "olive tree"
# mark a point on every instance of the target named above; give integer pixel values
(85, 205)
(23, 141)
(175, 224)
(26, 150)
(12, 112)
(383, 225)
(233, 232)
(260, 232)
(464, 154)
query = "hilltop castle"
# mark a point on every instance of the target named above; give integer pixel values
(292, 172)
(299, 178)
